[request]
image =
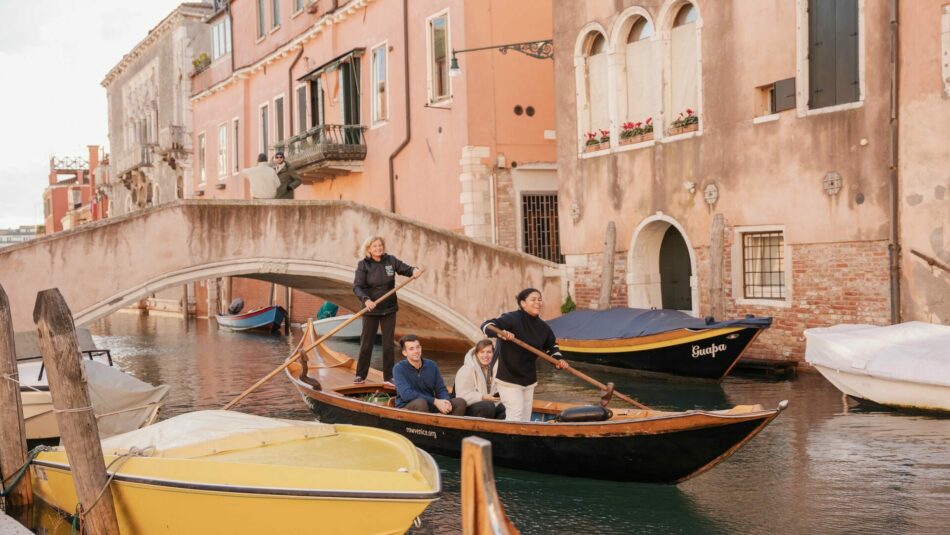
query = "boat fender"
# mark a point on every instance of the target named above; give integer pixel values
(587, 413)
(236, 306)
(710, 320)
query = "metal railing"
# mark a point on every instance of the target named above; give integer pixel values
(325, 142)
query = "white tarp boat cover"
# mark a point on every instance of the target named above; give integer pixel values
(201, 433)
(915, 351)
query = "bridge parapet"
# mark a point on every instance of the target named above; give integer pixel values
(310, 245)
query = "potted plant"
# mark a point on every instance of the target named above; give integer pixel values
(637, 132)
(686, 121)
(604, 139)
(201, 62)
(593, 142)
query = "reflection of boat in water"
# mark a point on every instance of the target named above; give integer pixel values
(905, 365)
(629, 445)
(267, 318)
(351, 332)
(121, 402)
(659, 341)
(227, 472)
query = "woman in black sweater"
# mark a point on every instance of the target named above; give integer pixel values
(517, 367)
(376, 275)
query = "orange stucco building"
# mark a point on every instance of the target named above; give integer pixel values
(359, 96)
(71, 198)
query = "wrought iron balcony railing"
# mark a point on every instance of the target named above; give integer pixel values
(316, 150)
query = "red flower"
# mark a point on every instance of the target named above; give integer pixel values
(649, 120)
(605, 132)
(637, 124)
(689, 112)
(629, 125)
(591, 135)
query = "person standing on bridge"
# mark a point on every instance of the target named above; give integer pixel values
(289, 179)
(376, 275)
(517, 367)
(262, 179)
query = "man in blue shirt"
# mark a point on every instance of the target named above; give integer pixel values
(419, 385)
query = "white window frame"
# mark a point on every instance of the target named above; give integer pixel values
(221, 38)
(263, 131)
(384, 49)
(236, 145)
(274, 15)
(738, 270)
(261, 22)
(223, 151)
(667, 18)
(297, 11)
(302, 127)
(801, 64)
(430, 75)
(273, 117)
(202, 149)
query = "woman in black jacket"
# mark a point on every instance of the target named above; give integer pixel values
(517, 367)
(376, 275)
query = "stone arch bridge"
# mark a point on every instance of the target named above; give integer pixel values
(308, 245)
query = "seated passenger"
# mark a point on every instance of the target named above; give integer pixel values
(419, 385)
(475, 382)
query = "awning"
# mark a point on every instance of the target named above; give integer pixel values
(332, 64)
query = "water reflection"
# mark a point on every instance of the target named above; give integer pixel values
(816, 469)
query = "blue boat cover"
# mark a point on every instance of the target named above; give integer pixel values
(624, 322)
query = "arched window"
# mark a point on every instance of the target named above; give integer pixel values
(642, 72)
(683, 96)
(596, 57)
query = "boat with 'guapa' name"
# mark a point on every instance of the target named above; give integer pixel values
(656, 340)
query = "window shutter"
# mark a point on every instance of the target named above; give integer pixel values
(821, 53)
(783, 95)
(847, 88)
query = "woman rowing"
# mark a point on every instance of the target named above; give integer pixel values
(517, 367)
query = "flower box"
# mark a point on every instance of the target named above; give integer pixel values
(683, 129)
(633, 140)
(594, 147)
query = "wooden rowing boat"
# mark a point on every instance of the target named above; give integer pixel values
(633, 445)
(227, 472)
(268, 318)
(656, 341)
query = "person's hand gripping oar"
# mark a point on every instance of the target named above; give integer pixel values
(300, 352)
(607, 390)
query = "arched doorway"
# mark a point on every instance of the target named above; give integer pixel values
(661, 267)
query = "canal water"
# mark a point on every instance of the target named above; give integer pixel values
(821, 467)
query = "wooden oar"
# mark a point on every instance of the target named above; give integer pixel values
(608, 388)
(300, 352)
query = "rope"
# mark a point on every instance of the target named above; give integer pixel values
(78, 409)
(79, 516)
(15, 478)
(16, 379)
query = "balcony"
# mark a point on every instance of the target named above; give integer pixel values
(326, 151)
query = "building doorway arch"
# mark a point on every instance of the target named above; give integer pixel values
(661, 267)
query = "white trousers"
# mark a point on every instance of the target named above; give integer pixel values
(517, 400)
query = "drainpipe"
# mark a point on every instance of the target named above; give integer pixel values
(392, 170)
(290, 90)
(894, 245)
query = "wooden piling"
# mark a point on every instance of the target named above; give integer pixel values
(77, 423)
(12, 428)
(482, 511)
(607, 274)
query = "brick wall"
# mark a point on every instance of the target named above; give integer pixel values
(505, 209)
(831, 283)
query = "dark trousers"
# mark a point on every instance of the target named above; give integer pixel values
(421, 405)
(486, 409)
(370, 325)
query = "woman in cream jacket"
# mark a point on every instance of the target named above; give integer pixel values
(475, 382)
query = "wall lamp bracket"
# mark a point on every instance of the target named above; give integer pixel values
(536, 49)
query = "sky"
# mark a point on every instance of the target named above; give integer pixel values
(53, 55)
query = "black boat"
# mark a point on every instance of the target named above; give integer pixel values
(629, 445)
(658, 341)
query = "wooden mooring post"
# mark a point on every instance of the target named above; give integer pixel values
(77, 423)
(12, 428)
(607, 273)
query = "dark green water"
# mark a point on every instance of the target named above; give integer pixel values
(821, 467)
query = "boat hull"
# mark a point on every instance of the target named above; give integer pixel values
(352, 331)
(662, 450)
(699, 354)
(268, 318)
(889, 392)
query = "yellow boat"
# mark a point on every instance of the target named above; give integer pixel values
(227, 472)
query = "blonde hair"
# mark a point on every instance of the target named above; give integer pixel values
(364, 249)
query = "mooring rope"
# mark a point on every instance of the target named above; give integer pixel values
(14, 479)
(15, 379)
(80, 515)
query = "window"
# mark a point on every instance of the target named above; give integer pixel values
(298, 5)
(261, 30)
(539, 224)
(262, 130)
(832, 53)
(380, 96)
(222, 150)
(439, 85)
(349, 74)
(301, 109)
(591, 78)
(683, 96)
(643, 88)
(236, 154)
(763, 265)
(221, 38)
(201, 159)
(279, 120)
(274, 13)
